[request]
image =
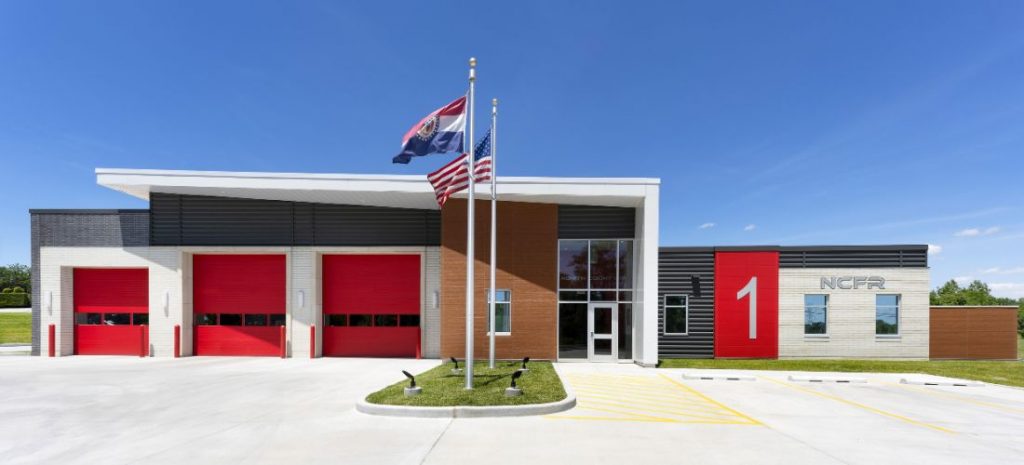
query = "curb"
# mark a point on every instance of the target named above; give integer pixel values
(942, 382)
(718, 377)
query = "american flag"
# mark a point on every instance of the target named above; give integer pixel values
(453, 177)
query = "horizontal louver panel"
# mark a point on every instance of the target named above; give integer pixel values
(589, 222)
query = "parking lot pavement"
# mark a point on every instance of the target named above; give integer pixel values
(116, 410)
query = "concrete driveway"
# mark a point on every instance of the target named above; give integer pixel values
(247, 410)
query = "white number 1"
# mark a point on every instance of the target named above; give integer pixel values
(750, 290)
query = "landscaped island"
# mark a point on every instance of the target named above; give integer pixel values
(442, 388)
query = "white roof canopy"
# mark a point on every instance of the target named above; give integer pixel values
(402, 191)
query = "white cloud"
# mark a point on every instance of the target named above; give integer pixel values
(934, 249)
(706, 226)
(750, 227)
(975, 232)
(963, 280)
(1012, 290)
(998, 270)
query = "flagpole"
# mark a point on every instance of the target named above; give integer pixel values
(470, 221)
(494, 221)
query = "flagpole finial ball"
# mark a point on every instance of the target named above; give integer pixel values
(472, 62)
(494, 102)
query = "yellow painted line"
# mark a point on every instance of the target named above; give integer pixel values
(949, 395)
(865, 407)
(713, 401)
(673, 394)
(643, 417)
(636, 388)
(725, 416)
(703, 406)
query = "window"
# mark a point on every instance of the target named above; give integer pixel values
(117, 318)
(140, 318)
(385, 320)
(677, 309)
(408, 320)
(572, 264)
(206, 319)
(277, 319)
(88, 318)
(815, 314)
(230, 319)
(502, 312)
(257, 319)
(336, 320)
(887, 315)
(360, 320)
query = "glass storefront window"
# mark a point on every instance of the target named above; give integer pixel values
(625, 264)
(572, 330)
(572, 264)
(603, 264)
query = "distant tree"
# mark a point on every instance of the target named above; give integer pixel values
(16, 275)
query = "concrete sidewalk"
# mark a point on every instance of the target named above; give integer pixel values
(16, 310)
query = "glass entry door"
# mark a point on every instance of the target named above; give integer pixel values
(602, 328)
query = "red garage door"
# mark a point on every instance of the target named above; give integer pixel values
(239, 303)
(111, 311)
(371, 305)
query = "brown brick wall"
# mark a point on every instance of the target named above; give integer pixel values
(527, 261)
(973, 333)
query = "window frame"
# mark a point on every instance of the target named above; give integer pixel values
(826, 306)
(496, 303)
(899, 316)
(686, 313)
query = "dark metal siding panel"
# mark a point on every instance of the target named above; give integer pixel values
(361, 225)
(854, 257)
(202, 220)
(589, 222)
(229, 221)
(164, 219)
(36, 312)
(675, 268)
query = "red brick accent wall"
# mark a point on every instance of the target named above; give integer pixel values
(527, 264)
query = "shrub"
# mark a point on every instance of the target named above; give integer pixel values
(10, 299)
(7, 290)
(17, 290)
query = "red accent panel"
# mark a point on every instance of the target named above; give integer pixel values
(733, 272)
(110, 340)
(111, 290)
(371, 284)
(239, 283)
(238, 340)
(362, 341)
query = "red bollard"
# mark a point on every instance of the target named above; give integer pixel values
(177, 341)
(142, 341)
(53, 340)
(312, 341)
(284, 346)
(419, 344)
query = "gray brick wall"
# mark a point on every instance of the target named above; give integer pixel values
(81, 228)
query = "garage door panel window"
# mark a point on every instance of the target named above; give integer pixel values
(112, 319)
(336, 320)
(230, 319)
(815, 314)
(408, 320)
(253, 319)
(385, 320)
(677, 314)
(360, 320)
(140, 318)
(206, 319)
(887, 315)
(277, 319)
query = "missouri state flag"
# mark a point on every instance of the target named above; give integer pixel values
(440, 132)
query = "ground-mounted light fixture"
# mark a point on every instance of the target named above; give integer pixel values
(525, 361)
(455, 369)
(413, 389)
(513, 391)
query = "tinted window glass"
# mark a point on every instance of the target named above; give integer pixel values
(675, 320)
(626, 331)
(603, 296)
(572, 264)
(336, 320)
(887, 314)
(573, 295)
(140, 319)
(255, 319)
(206, 319)
(88, 318)
(359, 320)
(385, 320)
(815, 314)
(117, 318)
(277, 319)
(625, 266)
(230, 319)
(409, 320)
(603, 261)
(572, 330)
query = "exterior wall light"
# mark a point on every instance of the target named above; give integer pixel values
(302, 299)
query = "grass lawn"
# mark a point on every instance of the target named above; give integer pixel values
(442, 388)
(15, 328)
(1009, 373)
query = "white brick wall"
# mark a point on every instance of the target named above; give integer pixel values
(851, 315)
(55, 273)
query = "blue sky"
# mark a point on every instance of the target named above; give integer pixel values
(768, 122)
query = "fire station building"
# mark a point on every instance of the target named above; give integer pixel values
(334, 265)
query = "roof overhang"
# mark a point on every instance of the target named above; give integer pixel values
(401, 191)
